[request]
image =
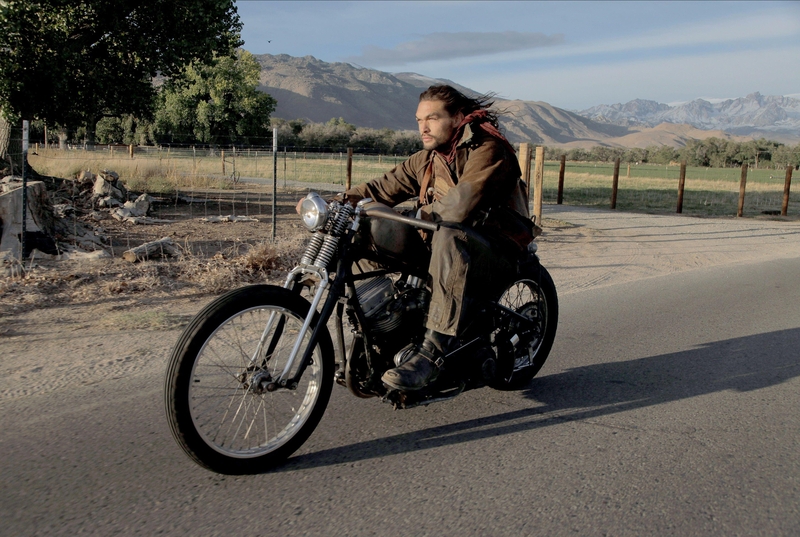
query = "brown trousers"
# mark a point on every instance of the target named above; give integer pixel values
(465, 269)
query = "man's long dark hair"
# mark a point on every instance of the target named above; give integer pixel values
(455, 101)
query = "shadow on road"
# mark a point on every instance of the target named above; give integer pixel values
(739, 365)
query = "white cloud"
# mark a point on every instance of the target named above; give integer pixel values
(439, 46)
(740, 29)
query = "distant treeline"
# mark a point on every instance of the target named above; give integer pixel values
(711, 152)
(337, 135)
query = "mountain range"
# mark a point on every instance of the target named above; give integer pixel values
(755, 114)
(317, 91)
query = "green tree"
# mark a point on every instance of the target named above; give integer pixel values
(70, 63)
(216, 103)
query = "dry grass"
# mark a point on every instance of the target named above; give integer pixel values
(154, 176)
(44, 284)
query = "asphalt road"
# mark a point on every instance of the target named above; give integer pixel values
(669, 406)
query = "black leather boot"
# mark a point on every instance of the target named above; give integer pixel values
(423, 366)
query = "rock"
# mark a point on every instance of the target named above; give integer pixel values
(86, 177)
(125, 214)
(63, 210)
(108, 202)
(109, 175)
(10, 182)
(140, 207)
(104, 188)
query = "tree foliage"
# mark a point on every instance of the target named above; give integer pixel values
(72, 62)
(215, 103)
(711, 152)
(338, 135)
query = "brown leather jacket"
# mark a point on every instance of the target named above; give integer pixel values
(483, 175)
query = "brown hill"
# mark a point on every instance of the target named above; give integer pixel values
(671, 134)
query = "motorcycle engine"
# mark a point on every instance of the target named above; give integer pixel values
(387, 304)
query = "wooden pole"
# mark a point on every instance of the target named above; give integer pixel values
(538, 181)
(525, 165)
(561, 170)
(681, 183)
(742, 185)
(629, 170)
(615, 184)
(786, 185)
(130, 150)
(349, 181)
(222, 152)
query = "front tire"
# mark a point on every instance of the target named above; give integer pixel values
(533, 295)
(218, 405)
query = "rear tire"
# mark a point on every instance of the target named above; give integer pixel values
(218, 406)
(534, 295)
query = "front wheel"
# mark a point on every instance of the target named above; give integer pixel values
(224, 404)
(534, 296)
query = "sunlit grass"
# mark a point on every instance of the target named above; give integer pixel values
(645, 187)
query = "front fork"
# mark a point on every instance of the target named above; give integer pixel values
(336, 290)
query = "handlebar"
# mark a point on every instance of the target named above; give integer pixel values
(379, 210)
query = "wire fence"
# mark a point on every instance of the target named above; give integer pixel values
(647, 187)
(191, 183)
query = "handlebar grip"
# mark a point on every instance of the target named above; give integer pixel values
(382, 211)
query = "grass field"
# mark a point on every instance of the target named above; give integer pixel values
(648, 187)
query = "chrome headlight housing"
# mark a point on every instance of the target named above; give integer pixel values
(314, 211)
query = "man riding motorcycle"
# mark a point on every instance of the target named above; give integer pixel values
(467, 175)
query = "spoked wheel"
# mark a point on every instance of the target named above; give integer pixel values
(534, 296)
(225, 405)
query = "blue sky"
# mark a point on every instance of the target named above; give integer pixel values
(570, 54)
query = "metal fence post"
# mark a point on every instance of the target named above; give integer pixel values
(25, 126)
(349, 179)
(274, 181)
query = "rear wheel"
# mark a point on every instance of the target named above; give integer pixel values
(534, 296)
(224, 404)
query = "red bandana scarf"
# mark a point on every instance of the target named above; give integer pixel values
(480, 119)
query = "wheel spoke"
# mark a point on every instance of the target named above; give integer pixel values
(230, 413)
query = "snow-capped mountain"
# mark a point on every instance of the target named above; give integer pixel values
(745, 115)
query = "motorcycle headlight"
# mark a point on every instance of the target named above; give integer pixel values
(314, 211)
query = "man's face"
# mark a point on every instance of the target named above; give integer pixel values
(436, 126)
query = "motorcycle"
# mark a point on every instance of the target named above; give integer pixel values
(251, 375)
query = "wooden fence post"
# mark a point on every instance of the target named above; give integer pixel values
(130, 150)
(538, 182)
(681, 183)
(742, 184)
(615, 184)
(349, 181)
(222, 152)
(525, 166)
(786, 185)
(561, 170)
(629, 170)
